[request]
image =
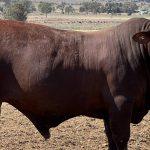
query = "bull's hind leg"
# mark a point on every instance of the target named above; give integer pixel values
(120, 116)
(111, 143)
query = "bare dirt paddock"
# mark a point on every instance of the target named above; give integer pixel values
(80, 133)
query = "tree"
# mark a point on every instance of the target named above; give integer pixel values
(18, 9)
(45, 8)
(69, 9)
(15, 12)
(93, 7)
(81, 9)
(102, 9)
(7, 2)
(28, 5)
(86, 6)
(113, 8)
(1, 8)
(62, 7)
(129, 7)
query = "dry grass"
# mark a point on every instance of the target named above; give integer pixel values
(79, 22)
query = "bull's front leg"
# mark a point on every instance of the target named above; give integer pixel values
(111, 143)
(119, 121)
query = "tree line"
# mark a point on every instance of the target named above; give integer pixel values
(19, 9)
(109, 7)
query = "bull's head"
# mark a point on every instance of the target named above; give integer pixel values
(142, 37)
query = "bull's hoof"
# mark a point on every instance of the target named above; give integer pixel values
(46, 136)
(45, 133)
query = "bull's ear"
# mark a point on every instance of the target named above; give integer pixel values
(142, 37)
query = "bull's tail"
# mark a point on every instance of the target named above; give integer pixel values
(0, 107)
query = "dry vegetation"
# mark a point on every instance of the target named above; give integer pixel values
(80, 22)
(80, 133)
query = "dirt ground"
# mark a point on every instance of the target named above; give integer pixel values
(80, 133)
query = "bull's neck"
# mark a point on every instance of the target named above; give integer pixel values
(90, 50)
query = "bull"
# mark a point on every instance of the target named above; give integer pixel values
(52, 75)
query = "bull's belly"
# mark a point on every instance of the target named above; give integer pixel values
(66, 93)
(66, 101)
